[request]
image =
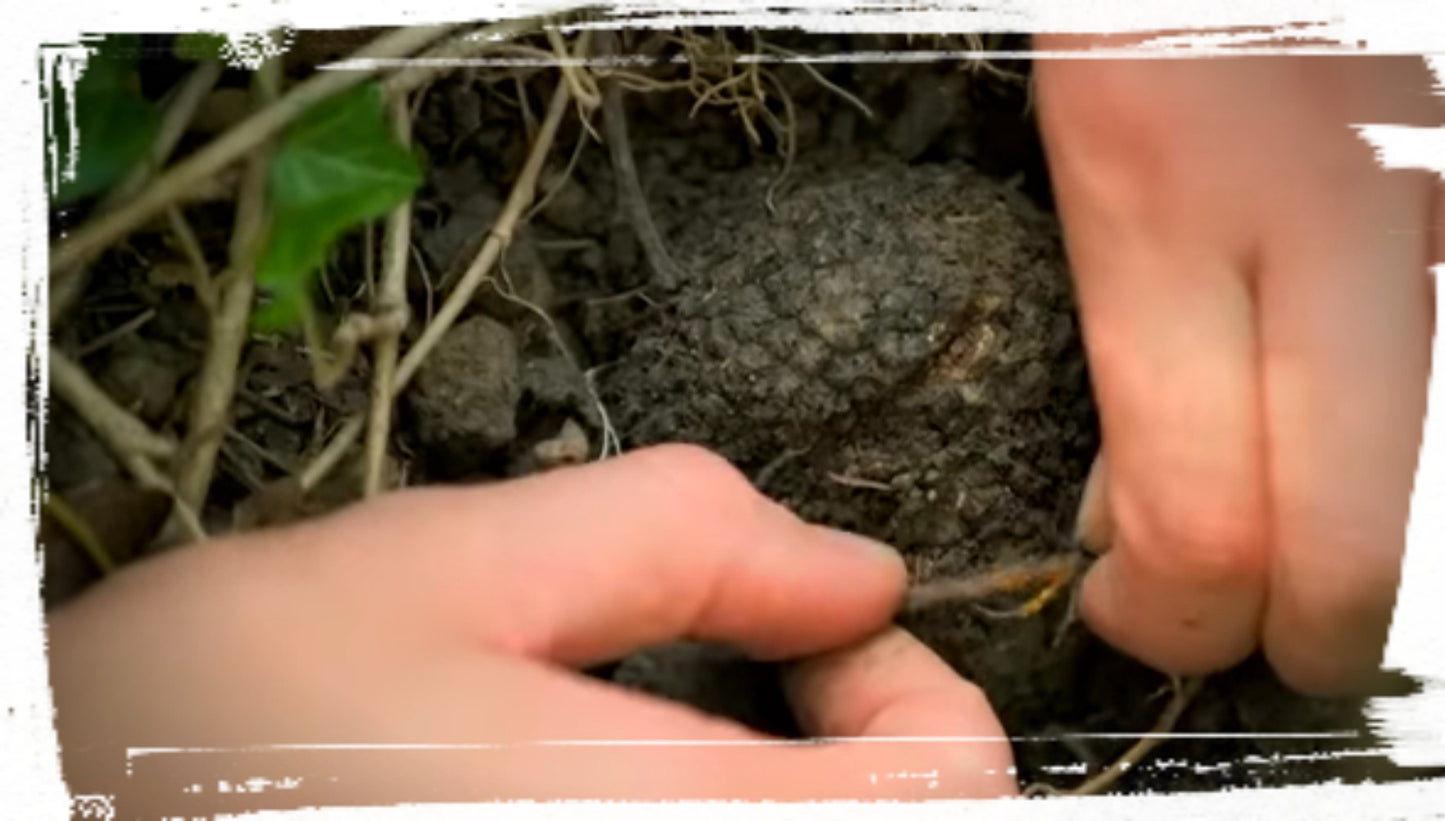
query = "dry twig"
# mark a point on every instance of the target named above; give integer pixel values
(121, 432)
(174, 125)
(501, 233)
(201, 281)
(497, 240)
(229, 326)
(390, 300)
(132, 443)
(104, 341)
(368, 262)
(582, 83)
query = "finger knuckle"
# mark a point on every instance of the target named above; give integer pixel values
(965, 704)
(971, 699)
(692, 472)
(1214, 543)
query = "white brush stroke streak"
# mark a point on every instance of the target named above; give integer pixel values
(861, 56)
(62, 66)
(1401, 26)
(29, 773)
(1328, 802)
(1256, 760)
(1413, 729)
(147, 752)
(28, 750)
(1407, 147)
(251, 49)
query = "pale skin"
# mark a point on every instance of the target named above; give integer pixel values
(1257, 317)
(456, 616)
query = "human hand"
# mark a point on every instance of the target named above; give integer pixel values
(1257, 312)
(451, 616)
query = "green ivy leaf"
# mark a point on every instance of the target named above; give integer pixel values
(114, 122)
(338, 166)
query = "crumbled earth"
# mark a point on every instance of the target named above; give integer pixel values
(466, 419)
(884, 340)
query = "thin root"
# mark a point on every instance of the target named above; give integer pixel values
(859, 482)
(611, 444)
(1050, 576)
(765, 475)
(582, 84)
(1184, 693)
(787, 135)
(1071, 611)
(818, 77)
(561, 181)
(1051, 590)
(630, 195)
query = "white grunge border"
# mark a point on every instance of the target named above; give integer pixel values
(1413, 727)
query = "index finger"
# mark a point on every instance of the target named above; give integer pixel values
(587, 564)
(1160, 258)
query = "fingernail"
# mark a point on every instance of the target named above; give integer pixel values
(1093, 527)
(876, 549)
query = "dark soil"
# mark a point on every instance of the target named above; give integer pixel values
(892, 349)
